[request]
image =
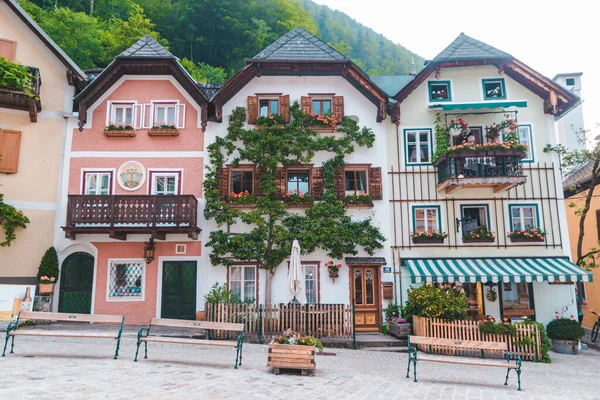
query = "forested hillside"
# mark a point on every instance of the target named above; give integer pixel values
(211, 37)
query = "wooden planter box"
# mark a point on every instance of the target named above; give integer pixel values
(428, 240)
(359, 205)
(399, 331)
(291, 204)
(241, 205)
(261, 127)
(478, 240)
(335, 274)
(525, 240)
(291, 357)
(119, 132)
(163, 132)
(324, 129)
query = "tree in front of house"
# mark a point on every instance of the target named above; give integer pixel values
(572, 160)
(272, 228)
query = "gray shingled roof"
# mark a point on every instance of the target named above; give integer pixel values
(467, 48)
(578, 176)
(210, 89)
(146, 47)
(299, 44)
(392, 84)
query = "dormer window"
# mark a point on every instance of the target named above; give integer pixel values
(494, 89)
(164, 114)
(321, 106)
(268, 107)
(121, 112)
(439, 91)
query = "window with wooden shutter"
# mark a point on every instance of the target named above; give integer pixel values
(375, 189)
(8, 49)
(284, 107)
(252, 109)
(306, 104)
(223, 185)
(318, 188)
(338, 108)
(280, 182)
(338, 178)
(10, 146)
(257, 173)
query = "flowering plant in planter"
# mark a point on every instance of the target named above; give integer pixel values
(362, 198)
(494, 92)
(507, 126)
(46, 279)
(333, 268)
(439, 94)
(498, 146)
(119, 126)
(426, 236)
(295, 196)
(533, 234)
(326, 121)
(295, 339)
(482, 233)
(458, 127)
(273, 119)
(163, 125)
(244, 197)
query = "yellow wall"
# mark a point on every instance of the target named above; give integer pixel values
(33, 189)
(590, 240)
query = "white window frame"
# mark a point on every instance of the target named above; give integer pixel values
(178, 174)
(242, 281)
(521, 217)
(109, 279)
(112, 106)
(417, 144)
(316, 280)
(149, 113)
(85, 172)
(269, 99)
(438, 215)
(525, 130)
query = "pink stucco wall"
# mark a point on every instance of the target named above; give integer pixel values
(191, 138)
(192, 172)
(137, 312)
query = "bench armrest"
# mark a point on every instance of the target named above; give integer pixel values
(11, 325)
(141, 332)
(241, 338)
(509, 357)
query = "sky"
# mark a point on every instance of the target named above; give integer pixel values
(550, 36)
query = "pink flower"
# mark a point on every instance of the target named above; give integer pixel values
(53, 279)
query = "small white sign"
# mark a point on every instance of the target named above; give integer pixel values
(13, 300)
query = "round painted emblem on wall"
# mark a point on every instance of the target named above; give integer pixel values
(131, 175)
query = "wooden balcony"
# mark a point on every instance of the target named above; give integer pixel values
(17, 99)
(500, 170)
(121, 215)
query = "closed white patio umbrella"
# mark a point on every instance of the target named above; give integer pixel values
(296, 276)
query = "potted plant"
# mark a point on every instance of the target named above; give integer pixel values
(241, 200)
(163, 129)
(273, 120)
(359, 200)
(434, 236)
(119, 129)
(479, 235)
(322, 123)
(565, 334)
(295, 198)
(529, 235)
(439, 94)
(458, 127)
(48, 272)
(333, 268)
(396, 326)
(294, 351)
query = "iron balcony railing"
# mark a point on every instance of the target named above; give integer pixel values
(480, 165)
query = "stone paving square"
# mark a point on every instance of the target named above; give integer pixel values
(49, 368)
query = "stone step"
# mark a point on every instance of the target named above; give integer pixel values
(386, 349)
(362, 344)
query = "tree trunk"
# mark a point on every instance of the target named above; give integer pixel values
(268, 283)
(586, 208)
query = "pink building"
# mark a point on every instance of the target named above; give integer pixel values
(133, 173)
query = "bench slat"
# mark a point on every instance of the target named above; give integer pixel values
(188, 341)
(466, 361)
(29, 332)
(457, 343)
(35, 315)
(183, 323)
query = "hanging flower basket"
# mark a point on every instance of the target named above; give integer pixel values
(333, 269)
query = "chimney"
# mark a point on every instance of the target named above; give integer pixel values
(413, 69)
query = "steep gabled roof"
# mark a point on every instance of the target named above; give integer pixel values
(466, 48)
(43, 36)
(578, 177)
(299, 44)
(146, 47)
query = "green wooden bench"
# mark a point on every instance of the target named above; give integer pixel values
(462, 345)
(144, 335)
(14, 329)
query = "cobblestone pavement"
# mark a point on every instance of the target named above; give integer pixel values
(50, 368)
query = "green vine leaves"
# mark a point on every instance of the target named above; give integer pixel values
(324, 226)
(10, 219)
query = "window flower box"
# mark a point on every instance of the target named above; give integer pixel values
(359, 205)
(322, 123)
(529, 235)
(479, 240)
(157, 131)
(298, 204)
(523, 239)
(431, 240)
(324, 129)
(362, 200)
(479, 235)
(296, 199)
(241, 200)
(428, 237)
(119, 132)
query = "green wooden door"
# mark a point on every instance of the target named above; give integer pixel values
(179, 290)
(76, 283)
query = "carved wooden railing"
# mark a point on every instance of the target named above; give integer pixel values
(19, 100)
(122, 211)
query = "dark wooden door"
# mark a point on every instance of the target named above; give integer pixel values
(179, 290)
(367, 297)
(76, 283)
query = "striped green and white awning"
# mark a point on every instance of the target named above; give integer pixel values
(495, 270)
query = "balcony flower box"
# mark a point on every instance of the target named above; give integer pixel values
(156, 131)
(479, 235)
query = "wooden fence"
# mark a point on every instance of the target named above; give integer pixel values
(319, 320)
(526, 343)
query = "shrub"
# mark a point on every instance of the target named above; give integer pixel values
(433, 302)
(16, 76)
(545, 343)
(392, 310)
(565, 329)
(49, 265)
(219, 294)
